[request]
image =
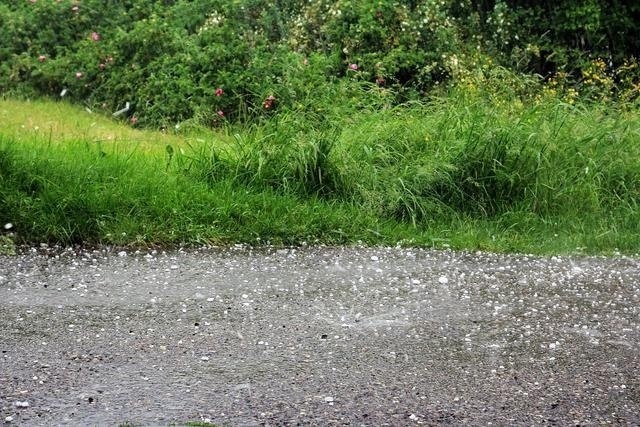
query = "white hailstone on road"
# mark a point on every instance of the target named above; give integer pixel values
(374, 258)
(122, 253)
(21, 404)
(443, 279)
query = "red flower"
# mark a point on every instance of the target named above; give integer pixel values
(133, 120)
(219, 92)
(269, 102)
(221, 113)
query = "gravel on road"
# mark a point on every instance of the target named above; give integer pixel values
(317, 336)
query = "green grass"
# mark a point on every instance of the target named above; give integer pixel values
(62, 122)
(465, 171)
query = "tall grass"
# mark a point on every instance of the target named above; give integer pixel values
(284, 154)
(455, 155)
(77, 193)
(465, 170)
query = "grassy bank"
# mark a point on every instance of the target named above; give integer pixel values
(466, 171)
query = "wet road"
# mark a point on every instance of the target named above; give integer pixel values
(318, 336)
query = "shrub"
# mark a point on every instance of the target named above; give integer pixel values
(167, 59)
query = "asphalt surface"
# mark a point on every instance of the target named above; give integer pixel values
(318, 336)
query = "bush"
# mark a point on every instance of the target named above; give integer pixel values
(215, 61)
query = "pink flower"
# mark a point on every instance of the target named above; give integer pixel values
(305, 61)
(102, 66)
(133, 120)
(75, 9)
(42, 58)
(78, 75)
(95, 36)
(353, 67)
(268, 103)
(380, 81)
(219, 92)
(220, 113)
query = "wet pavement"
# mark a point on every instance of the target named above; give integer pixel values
(318, 336)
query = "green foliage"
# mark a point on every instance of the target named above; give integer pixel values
(339, 120)
(565, 35)
(281, 155)
(479, 154)
(169, 60)
(86, 193)
(7, 246)
(470, 154)
(467, 170)
(392, 42)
